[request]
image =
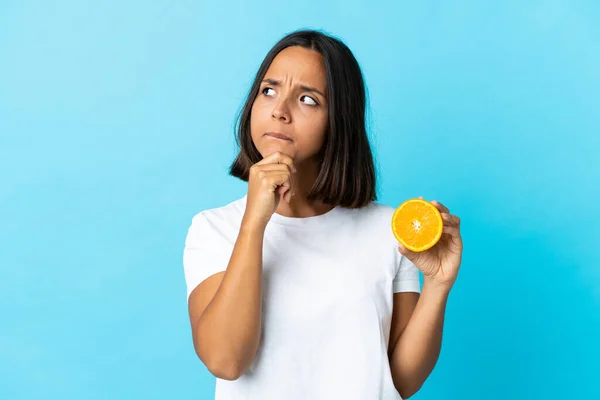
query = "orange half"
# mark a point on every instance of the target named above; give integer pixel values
(417, 225)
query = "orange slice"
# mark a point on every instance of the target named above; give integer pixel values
(417, 224)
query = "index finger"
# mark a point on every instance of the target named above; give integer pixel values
(280, 158)
(440, 206)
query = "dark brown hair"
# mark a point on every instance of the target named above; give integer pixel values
(347, 175)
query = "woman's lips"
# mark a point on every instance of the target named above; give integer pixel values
(279, 136)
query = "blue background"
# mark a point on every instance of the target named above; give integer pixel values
(116, 127)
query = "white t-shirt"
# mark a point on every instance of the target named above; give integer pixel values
(328, 284)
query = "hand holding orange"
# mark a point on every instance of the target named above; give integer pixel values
(429, 236)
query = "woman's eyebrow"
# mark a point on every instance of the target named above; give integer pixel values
(276, 82)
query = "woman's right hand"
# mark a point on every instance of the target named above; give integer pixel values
(270, 181)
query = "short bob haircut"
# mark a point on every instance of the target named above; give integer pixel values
(347, 175)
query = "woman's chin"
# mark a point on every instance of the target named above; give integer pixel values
(285, 147)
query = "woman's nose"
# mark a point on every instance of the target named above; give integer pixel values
(281, 111)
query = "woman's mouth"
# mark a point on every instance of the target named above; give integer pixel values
(277, 135)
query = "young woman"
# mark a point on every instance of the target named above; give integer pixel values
(299, 290)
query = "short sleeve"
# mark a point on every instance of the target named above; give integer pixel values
(407, 277)
(203, 256)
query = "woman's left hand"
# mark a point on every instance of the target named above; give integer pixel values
(440, 263)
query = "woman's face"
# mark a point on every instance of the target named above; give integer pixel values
(291, 101)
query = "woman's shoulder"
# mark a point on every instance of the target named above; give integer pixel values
(228, 215)
(375, 210)
(374, 217)
(375, 220)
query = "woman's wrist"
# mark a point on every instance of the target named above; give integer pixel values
(435, 287)
(252, 227)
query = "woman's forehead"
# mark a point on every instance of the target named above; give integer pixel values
(302, 65)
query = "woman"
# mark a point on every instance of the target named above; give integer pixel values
(299, 290)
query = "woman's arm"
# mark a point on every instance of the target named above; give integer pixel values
(418, 347)
(226, 329)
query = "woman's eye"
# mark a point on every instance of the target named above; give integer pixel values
(311, 102)
(265, 89)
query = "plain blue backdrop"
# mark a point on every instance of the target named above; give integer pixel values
(116, 127)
